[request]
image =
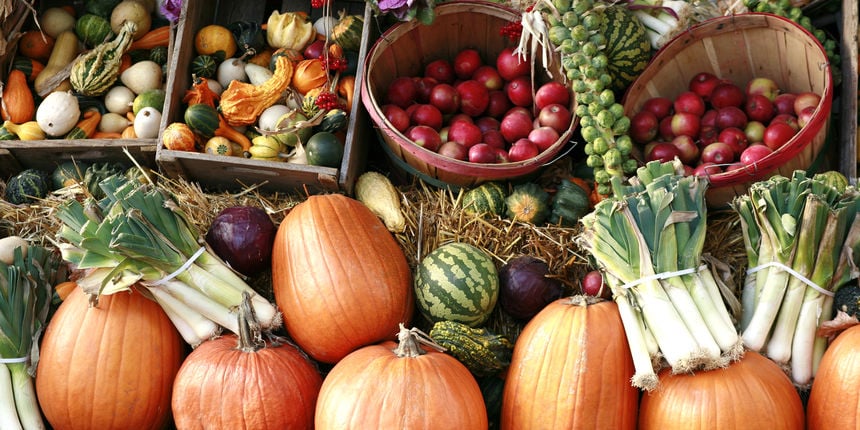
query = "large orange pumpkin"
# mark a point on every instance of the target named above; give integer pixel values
(571, 368)
(834, 400)
(751, 393)
(109, 366)
(339, 277)
(400, 386)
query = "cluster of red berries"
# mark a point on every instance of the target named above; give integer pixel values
(327, 100)
(512, 31)
(334, 64)
(316, 4)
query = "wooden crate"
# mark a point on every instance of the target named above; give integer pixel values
(17, 155)
(233, 173)
(848, 156)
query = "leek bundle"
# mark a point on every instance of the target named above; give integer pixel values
(648, 239)
(138, 235)
(800, 236)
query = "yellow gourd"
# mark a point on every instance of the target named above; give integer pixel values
(29, 130)
(213, 38)
(289, 30)
(65, 50)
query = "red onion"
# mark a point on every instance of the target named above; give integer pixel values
(243, 236)
(525, 288)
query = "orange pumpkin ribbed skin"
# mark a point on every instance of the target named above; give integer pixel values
(339, 277)
(221, 387)
(752, 393)
(372, 388)
(571, 368)
(833, 399)
(110, 366)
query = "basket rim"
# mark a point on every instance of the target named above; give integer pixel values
(804, 137)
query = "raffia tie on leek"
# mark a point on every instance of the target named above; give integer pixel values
(800, 235)
(648, 239)
(138, 235)
(26, 289)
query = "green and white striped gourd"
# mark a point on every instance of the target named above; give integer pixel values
(94, 72)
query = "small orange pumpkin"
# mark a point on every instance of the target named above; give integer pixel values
(178, 137)
(833, 399)
(36, 45)
(308, 75)
(18, 105)
(213, 38)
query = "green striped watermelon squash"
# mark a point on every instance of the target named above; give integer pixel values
(485, 199)
(202, 119)
(347, 31)
(627, 46)
(457, 282)
(27, 186)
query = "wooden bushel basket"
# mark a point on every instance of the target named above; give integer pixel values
(740, 48)
(405, 48)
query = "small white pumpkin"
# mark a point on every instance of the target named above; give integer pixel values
(269, 118)
(8, 245)
(58, 113)
(231, 69)
(119, 99)
(146, 123)
(324, 24)
(142, 76)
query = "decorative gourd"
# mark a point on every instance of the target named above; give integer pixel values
(134, 12)
(571, 368)
(65, 51)
(5, 134)
(90, 349)
(377, 192)
(215, 38)
(293, 55)
(627, 46)
(346, 89)
(36, 45)
(29, 130)
(833, 400)
(227, 131)
(27, 187)
(236, 382)
(151, 98)
(68, 173)
(400, 386)
(58, 113)
(178, 137)
(204, 66)
(142, 76)
(18, 104)
(155, 38)
(158, 55)
(218, 146)
(202, 119)
(324, 149)
(529, 203)
(339, 277)
(290, 30)
(485, 199)
(754, 389)
(146, 123)
(97, 70)
(29, 66)
(100, 7)
(309, 74)
(93, 30)
(333, 121)
(457, 282)
(481, 351)
(200, 92)
(347, 31)
(249, 37)
(86, 127)
(569, 203)
(97, 172)
(241, 103)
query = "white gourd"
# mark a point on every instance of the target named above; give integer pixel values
(146, 123)
(58, 113)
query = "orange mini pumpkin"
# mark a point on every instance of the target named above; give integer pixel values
(178, 137)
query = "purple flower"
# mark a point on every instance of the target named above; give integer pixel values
(171, 9)
(391, 5)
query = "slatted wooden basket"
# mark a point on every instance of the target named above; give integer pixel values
(405, 48)
(740, 48)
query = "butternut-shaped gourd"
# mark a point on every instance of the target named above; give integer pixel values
(66, 49)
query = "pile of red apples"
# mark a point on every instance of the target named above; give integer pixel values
(718, 126)
(476, 111)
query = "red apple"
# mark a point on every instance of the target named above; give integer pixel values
(688, 151)
(759, 107)
(665, 129)
(708, 135)
(662, 151)
(466, 62)
(460, 117)
(523, 149)
(556, 116)
(777, 134)
(703, 84)
(516, 124)
(502, 155)
(706, 170)
(440, 70)
(709, 119)
(482, 153)
(494, 138)
(689, 102)
(551, 92)
(499, 104)
(454, 150)
(718, 153)
(519, 91)
(727, 94)
(543, 137)
(804, 100)
(731, 116)
(661, 107)
(474, 97)
(763, 86)
(685, 123)
(445, 97)
(486, 123)
(402, 91)
(754, 153)
(510, 64)
(397, 116)
(737, 165)
(786, 118)
(425, 136)
(425, 86)
(465, 133)
(490, 77)
(784, 103)
(735, 137)
(805, 115)
(426, 114)
(754, 132)
(644, 126)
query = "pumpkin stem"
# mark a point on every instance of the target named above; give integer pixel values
(583, 300)
(250, 337)
(409, 342)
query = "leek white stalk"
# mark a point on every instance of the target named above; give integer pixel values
(8, 413)
(644, 376)
(191, 325)
(26, 402)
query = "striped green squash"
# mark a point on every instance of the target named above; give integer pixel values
(202, 119)
(485, 199)
(94, 72)
(457, 282)
(627, 46)
(27, 187)
(347, 32)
